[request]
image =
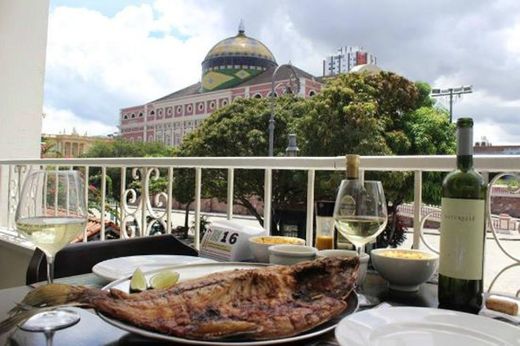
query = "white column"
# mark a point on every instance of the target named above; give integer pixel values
(417, 208)
(23, 37)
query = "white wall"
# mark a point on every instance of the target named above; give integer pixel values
(23, 42)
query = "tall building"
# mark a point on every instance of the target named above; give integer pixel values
(236, 67)
(345, 59)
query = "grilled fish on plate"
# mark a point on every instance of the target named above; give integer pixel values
(242, 304)
(257, 304)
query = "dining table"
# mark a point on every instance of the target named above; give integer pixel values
(92, 330)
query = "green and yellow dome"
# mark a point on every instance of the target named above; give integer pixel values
(235, 60)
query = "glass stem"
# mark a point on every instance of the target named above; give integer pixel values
(360, 250)
(50, 269)
(49, 335)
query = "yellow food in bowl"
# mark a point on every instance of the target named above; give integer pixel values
(413, 255)
(277, 240)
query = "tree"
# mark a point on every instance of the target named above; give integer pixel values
(48, 148)
(377, 114)
(240, 129)
(124, 148)
(368, 114)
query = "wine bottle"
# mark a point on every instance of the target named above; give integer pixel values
(461, 263)
(355, 185)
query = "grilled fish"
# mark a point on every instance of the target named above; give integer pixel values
(256, 304)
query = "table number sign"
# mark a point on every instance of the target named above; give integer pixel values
(228, 241)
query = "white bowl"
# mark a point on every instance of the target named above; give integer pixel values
(291, 254)
(260, 244)
(363, 260)
(402, 273)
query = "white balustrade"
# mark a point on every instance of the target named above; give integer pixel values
(135, 205)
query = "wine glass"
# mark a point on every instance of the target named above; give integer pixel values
(360, 213)
(51, 213)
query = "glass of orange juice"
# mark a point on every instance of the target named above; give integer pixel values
(324, 225)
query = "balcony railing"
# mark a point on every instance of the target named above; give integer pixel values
(144, 170)
(147, 169)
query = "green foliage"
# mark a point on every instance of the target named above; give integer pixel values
(240, 129)
(376, 114)
(363, 113)
(123, 148)
(425, 100)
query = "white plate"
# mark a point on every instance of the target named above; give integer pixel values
(121, 267)
(407, 326)
(192, 271)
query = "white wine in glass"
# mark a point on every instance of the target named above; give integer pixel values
(51, 213)
(360, 215)
(360, 230)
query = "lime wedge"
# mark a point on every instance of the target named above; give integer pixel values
(164, 279)
(138, 281)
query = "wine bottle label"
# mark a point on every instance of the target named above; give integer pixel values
(462, 238)
(465, 141)
(347, 206)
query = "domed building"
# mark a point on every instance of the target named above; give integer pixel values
(235, 60)
(238, 66)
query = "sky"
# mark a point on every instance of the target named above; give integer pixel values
(106, 55)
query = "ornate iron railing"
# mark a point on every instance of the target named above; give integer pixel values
(146, 170)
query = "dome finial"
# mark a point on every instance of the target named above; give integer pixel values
(241, 27)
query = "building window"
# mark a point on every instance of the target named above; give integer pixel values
(152, 113)
(200, 107)
(125, 116)
(189, 108)
(312, 93)
(169, 111)
(140, 114)
(224, 103)
(212, 105)
(258, 96)
(133, 116)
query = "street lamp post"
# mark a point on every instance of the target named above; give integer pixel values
(450, 92)
(293, 85)
(292, 148)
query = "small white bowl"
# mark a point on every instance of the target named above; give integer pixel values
(260, 244)
(402, 273)
(363, 260)
(291, 254)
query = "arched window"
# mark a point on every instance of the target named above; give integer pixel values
(257, 96)
(133, 116)
(312, 93)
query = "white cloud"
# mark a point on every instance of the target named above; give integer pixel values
(97, 64)
(493, 132)
(61, 120)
